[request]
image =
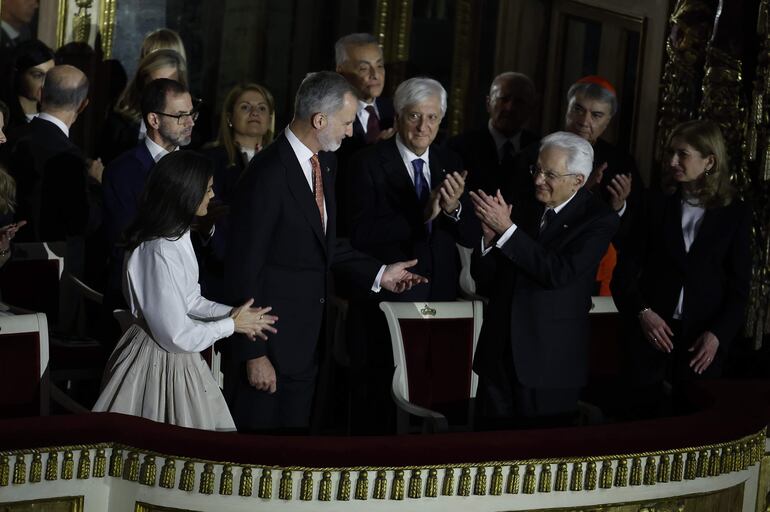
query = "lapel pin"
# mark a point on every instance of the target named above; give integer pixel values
(565, 226)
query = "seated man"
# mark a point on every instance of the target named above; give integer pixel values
(539, 260)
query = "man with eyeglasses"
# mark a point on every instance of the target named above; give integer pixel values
(539, 258)
(168, 113)
(407, 202)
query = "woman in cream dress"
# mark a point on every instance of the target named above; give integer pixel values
(156, 370)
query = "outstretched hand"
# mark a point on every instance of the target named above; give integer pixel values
(397, 278)
(253, 322)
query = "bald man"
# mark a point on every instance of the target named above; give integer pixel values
(53, 176)
(488, 153)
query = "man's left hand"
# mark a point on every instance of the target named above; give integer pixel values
(452, 188)
(705, 348)
(397, 278)
(492, 211)
(619, 189)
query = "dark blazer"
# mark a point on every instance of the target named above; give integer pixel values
(278, 253)
(118, 134)
(388, 220)
(52, 184)
(350, 146)
(541, 293)
(122, 184)
(715, 272)
(479, 154)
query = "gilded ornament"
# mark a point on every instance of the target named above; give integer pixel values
(464, 487)
(226, 480)
(590, 480)
(529, 480)
(51, 466)
(306, 486)
(397, 489)
(81, 24)
(664, 469)
(448, 485)
(148, 471)
(512, 484)
(677, 469)
(246, 484)
(5, 469)
(576, 481)
(649, 471)
(284, 487)
(380, 486)
(36, 468)
(168, 474)
(362, 485)
(343, 491)
(621, 474)
(131, 467)
(605, 476)
(496, 485)
(544, 484)
(68, 466)
(84, 464)
(561, 477)
(325, 487)
(206, 485)
(265, 490)
(19, 470)
(187, 478)
(116, 462)
(100, 463)
(714, 461)
(415, 484)
(636, 472)
(480, 482)
(431, 485)
(703, 464)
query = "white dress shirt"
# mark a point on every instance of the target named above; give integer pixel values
(408, 157)
(55, 120)
(156, 150)
(692, 218)
(161, 284)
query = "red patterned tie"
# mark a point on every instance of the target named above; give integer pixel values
(372, 126)
(318, 187)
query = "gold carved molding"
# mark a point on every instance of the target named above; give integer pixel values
(484, 478)
(63, 504)
(107, 17)
(461, 67)
(393, 26)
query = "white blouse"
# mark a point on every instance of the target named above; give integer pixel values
(161, 284)
(692, 217)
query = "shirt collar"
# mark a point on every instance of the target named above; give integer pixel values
(156, 150)
(8, 29)
(501, 139)
(362, 106)
(565, 203)
(55, 120)
(302, 152)
(408, 156)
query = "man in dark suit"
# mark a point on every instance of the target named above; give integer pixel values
(15, 18)
(488, 153)
(282, 246)
(57, 187)
(539, 259)
(168, 113)
(359, 59)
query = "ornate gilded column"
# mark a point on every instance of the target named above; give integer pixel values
(691, 23)
(393, 28)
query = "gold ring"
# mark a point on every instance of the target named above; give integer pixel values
(261, 316)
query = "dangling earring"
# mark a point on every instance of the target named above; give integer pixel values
(708, 172)
(229, 123)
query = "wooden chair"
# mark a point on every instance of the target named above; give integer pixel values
(24, 376)
(433, 347)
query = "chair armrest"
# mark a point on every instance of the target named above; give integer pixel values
(85, 290)
(60, 397)
(436, 421)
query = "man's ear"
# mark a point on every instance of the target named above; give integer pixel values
(153, 120)
(318, 121)
(580, 180)
(82, 106)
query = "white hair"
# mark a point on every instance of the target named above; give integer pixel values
(580, 153)
(416, 90)
(358, 39)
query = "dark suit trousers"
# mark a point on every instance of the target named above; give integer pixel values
(502, 402)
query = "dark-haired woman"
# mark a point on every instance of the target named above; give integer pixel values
(156, 371)
(29, 64)
(683, 284)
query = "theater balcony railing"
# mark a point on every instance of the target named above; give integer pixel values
(714, 459)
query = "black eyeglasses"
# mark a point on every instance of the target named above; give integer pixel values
(181, 118)
(535, 170)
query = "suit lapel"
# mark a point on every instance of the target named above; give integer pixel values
(672, 226)
(395, 171)
(299, 188)
(437, 170)
(563, 220)
(328, 162)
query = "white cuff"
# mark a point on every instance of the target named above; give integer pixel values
(506, 236)
(376, 285)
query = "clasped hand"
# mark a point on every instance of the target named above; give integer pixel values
(493, 212)
(658, 333)
(254, 322)
(446, 196)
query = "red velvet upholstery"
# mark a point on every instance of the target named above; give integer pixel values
(32, 285)
(604, 351)
(439, 357)
(19, 374)
(723, 416)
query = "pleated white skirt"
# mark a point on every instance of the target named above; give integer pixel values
(144, 380)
